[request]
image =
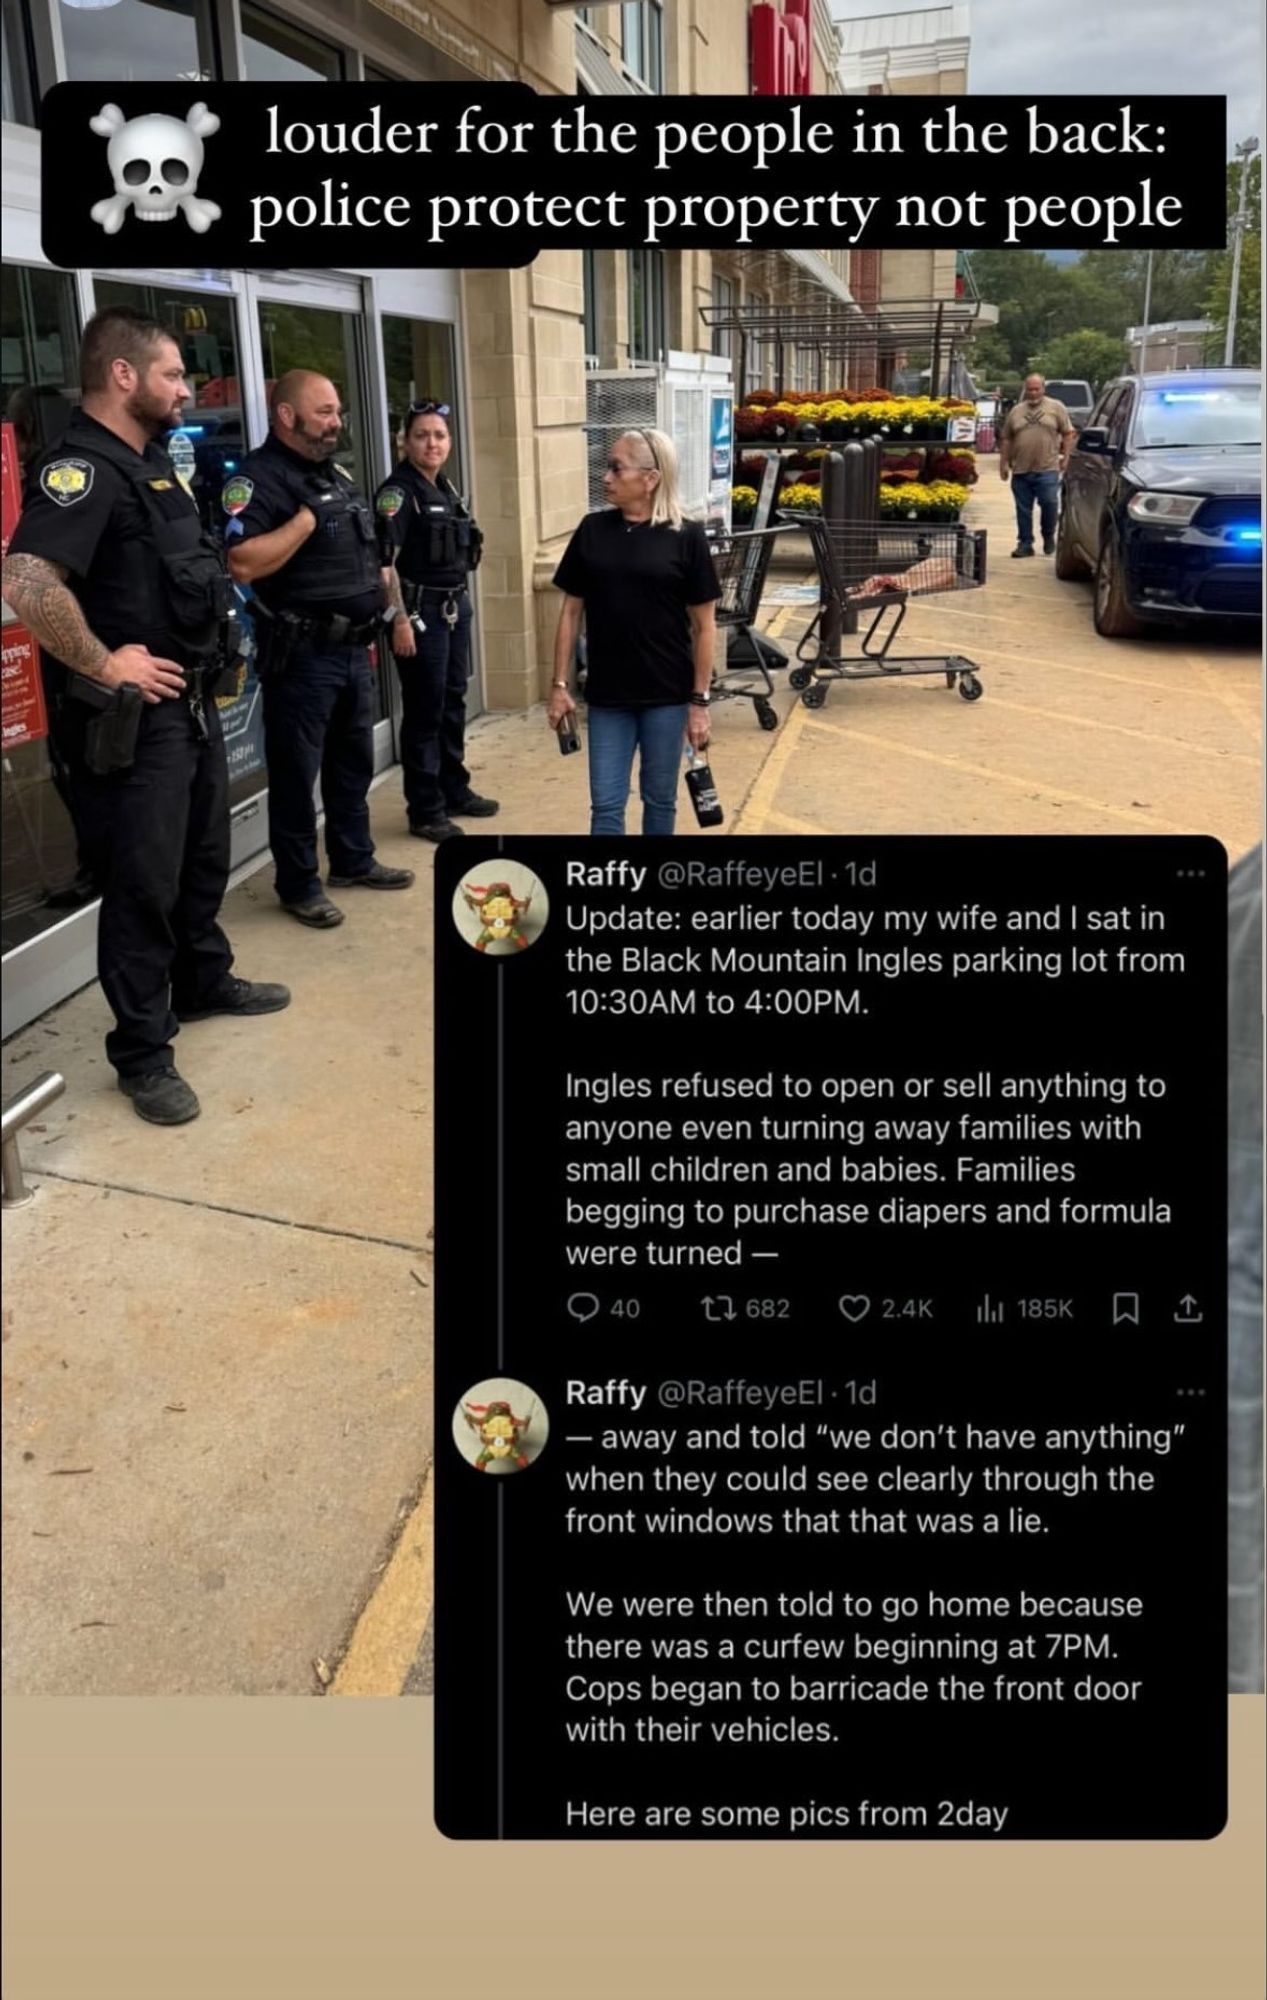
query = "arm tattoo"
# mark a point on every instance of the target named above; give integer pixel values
(36, 589)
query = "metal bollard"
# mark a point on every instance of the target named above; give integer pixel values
(17, 1113)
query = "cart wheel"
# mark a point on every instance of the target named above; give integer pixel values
(800, 677)
(766, 716)
(970, 687)
(815, 696)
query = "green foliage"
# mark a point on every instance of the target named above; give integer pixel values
(1083, 356)
(1219, 269)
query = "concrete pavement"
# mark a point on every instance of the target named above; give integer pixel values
(217, 1339)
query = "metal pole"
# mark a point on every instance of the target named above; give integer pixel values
(17, 1112)
(1148, 313)
(1244, 153)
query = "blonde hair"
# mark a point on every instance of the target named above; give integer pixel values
(666, 504)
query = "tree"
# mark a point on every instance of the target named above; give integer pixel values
(1084, 356)
(1219, 268)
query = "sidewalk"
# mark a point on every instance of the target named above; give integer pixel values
(217, 1339)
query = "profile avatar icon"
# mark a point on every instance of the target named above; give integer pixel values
(500, 908)
(500, 1426)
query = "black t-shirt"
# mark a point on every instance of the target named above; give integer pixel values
(81, 511)
(637, 582)
(336, 570)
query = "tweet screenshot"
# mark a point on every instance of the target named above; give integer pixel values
(831, 1357)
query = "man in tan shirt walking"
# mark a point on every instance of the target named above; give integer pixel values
(1034, 445)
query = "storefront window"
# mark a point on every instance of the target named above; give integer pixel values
(40, 879)
(208, 445)
(418, 361)
(138, 41)
(642, 41)
(276, 52)
(16, 67)
(646, 305)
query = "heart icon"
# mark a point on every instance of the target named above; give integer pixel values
(854, 1307)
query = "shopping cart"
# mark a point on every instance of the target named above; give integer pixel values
(742, 558)
(871, 569)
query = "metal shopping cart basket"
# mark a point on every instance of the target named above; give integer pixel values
(871, 569)
(742, 559)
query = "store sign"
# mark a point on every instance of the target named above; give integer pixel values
(961, 430)
(24, 717)
(242, 712)
(12, 482)
(720, 456)
(780, 49)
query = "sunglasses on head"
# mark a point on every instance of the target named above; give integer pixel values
(428, 408)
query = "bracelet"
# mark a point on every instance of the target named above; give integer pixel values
(700, 700)
(563, 685)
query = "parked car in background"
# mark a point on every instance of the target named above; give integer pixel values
(1077, 398)
(1162, 500)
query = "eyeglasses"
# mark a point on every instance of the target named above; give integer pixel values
(426, 408)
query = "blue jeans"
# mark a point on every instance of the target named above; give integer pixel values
(658, 734)
(1026, 488)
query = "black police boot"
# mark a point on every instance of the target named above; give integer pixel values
(240, 996)
(474, 807)
(161, 1097)
(375, 877)
(435, 829)
(1023, 549)
(1049, 545)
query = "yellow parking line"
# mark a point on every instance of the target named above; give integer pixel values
(785, 823)
(1031, 785)
(1121, 729)
(389, 1630)
(1249, 719)
(756, 809)
(1070, 666)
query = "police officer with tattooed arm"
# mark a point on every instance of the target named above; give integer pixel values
(302, 537)
(110, 570)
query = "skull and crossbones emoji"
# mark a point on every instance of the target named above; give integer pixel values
(155, 161)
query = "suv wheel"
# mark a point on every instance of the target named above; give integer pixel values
(1069, 564)
(1111, 612)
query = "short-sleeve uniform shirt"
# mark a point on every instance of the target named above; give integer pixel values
(637, 582)
(330, 571)
(82, 512)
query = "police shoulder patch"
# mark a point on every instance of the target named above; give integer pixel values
(235, 496)
(391, 500)
(67, 480)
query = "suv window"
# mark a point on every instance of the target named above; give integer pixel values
(1120, 422)
(1102, 415)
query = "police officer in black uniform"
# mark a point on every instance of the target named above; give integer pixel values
(302, 537)
(110, 570)
(426, 529)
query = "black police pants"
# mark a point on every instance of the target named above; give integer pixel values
(158, 837)
(319, 723)
(433, 716)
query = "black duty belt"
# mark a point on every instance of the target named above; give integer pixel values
(426, 593)
(326, 628)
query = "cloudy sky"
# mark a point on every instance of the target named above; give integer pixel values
(1158, 47)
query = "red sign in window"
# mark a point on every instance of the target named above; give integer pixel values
(24, 717)
(11, 489)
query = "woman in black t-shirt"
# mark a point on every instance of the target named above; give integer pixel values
(645, 581)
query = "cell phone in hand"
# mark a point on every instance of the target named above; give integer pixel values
(569, 735)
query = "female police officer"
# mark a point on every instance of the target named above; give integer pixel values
(426, 529)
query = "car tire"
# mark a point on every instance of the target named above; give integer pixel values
(1111, 611)
(1069, 565)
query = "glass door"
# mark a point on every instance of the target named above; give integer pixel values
(318, 322)
(420, 359)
